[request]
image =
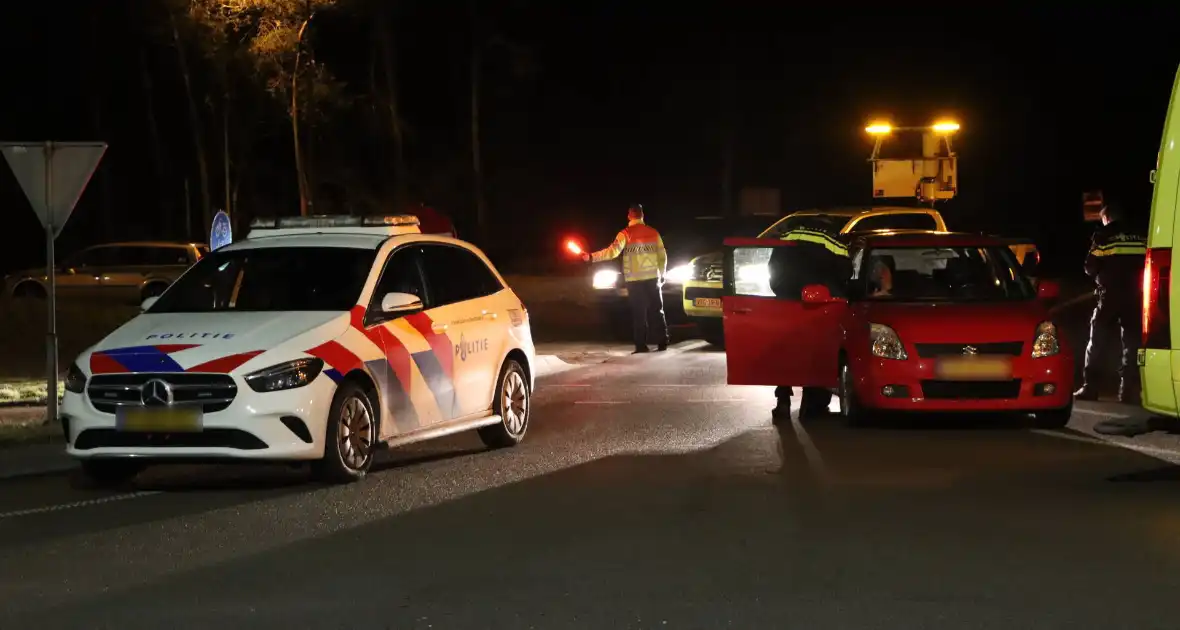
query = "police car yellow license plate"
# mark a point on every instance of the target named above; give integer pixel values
(707, 302)
(163, 420)
(974, 369)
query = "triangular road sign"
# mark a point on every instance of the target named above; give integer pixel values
(72, 165)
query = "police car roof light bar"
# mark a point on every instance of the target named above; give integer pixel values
(332, 221)
(392, 220)
(322, 220)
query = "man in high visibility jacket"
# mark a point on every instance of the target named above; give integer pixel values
(1115, 261)
(645, 264)
(817, 257)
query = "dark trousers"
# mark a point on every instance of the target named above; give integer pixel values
(647, 308)
(814, 398)
(1109, 315)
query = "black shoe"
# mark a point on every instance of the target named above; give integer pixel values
(781, 413)
(1086, 393)
(641, 349)
(662, 347)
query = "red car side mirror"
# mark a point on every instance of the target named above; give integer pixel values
(818, 294)
(1048, 289)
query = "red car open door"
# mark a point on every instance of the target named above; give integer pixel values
(771, 340)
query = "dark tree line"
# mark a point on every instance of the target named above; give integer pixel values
(300, 106)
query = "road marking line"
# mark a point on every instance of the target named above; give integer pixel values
(713, 400)
(1069, 436)
(601, 402)
(567, 385)
(76, 504)
(814, 460)
(1163, 454)
(1104, 414)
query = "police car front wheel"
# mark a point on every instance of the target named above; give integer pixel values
(350, 437)
(512, 404)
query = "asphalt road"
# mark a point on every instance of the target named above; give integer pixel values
(646, 495)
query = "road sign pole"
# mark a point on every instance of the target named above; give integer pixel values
(53, 176)
(51, 315)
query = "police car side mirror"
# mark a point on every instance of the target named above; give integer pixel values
(818, 294)
(400, 303)
(148, 303)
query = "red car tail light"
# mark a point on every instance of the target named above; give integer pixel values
(1157, 275)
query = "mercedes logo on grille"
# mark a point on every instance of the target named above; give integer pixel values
(156, 393)
(970, 350)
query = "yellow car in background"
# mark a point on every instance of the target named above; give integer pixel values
(703, 287)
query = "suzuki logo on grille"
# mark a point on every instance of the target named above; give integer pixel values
(156, 393)
(970, 350)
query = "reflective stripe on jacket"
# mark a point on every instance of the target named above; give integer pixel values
(642, 250)
(819, 238)
(1115, 261)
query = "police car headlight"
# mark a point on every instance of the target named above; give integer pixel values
(606, 279)
(1045, 343)
(289, 375)
(885, 343)
(679, 274)
(75, 380)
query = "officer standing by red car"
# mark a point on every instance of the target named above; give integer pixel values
(817, 257)
(1115, 261)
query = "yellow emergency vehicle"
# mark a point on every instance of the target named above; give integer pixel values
(1159, 355)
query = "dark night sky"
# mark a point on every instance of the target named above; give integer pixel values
(627, 106)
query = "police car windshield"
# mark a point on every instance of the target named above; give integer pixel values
(271, 279)
(940, 274)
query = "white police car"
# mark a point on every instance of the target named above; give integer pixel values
(316, 338)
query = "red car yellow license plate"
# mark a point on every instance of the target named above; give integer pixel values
(168, 420)
(974, 369)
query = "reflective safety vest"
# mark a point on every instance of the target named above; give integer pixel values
(1115, 261)
(817, 237)
(642, 249)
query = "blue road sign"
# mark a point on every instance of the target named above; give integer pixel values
(222, 233)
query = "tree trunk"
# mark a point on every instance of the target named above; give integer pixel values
(225, 159)
(727, 136)
(389, 56)
(476, 159)
(166, 206)
(195, 126)
(97, 105)
(300, 173)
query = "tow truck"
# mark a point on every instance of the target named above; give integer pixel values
(928, 178)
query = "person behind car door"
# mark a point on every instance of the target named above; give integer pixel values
(1115, 261)
(817, 257)
(645, 264)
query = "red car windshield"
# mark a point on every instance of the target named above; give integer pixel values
(940, 274)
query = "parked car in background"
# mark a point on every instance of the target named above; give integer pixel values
(126, 272)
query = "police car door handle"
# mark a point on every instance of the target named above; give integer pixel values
(489, 315)
(438, 328)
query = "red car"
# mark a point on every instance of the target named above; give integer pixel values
(935, 322)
